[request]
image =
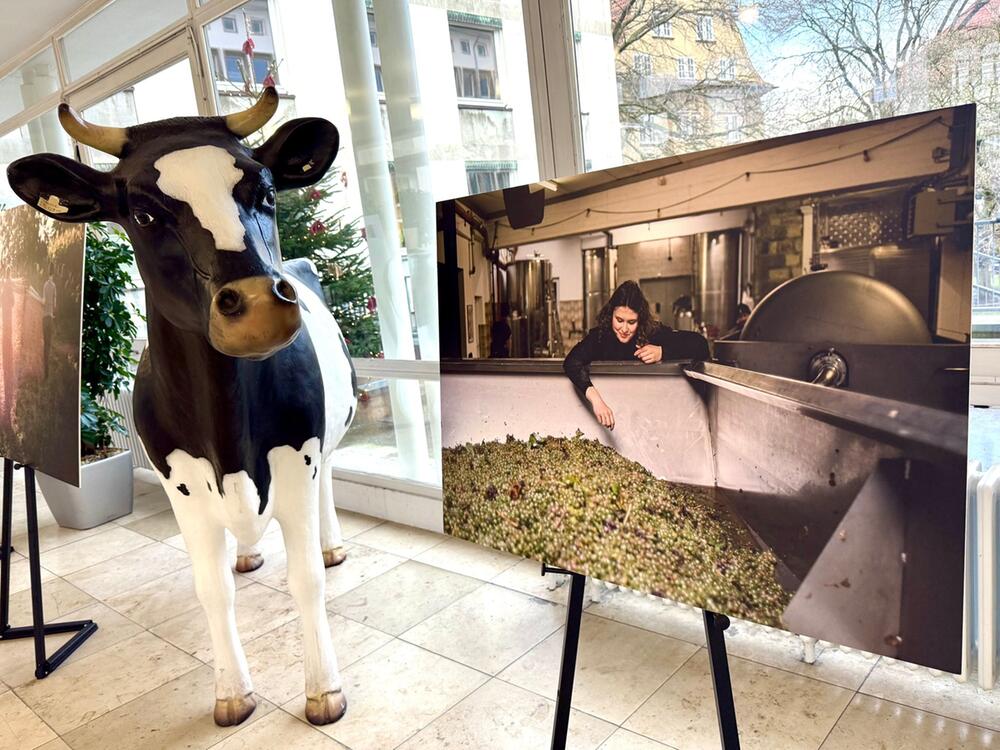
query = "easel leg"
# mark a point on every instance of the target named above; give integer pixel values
(715, 626)
(571, 644)
(5, 548)
(38, 629)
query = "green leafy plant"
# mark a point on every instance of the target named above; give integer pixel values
(308, 229)
(108, 332)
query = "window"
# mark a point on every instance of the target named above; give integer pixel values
(487, 180)
(229, 24)
(262, 68)
(734, 125)
(664, 30)
(257, 27)
(378, 79)
(727, 69)
(686, 124)
(685, 68)
(642, 64)
(475, 66)
(234, 68)
(704, 30)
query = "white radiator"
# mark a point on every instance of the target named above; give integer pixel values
(130, 440)
(981, 631)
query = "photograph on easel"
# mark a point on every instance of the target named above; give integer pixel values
(737, 378)
(41, 275)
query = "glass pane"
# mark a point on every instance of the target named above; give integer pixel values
(29, 84)
(41, 134)
(372, 444)
(119, 27)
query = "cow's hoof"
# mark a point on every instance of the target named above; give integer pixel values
(246, 563)
(334, 556)
(232, 711)
(327, 708)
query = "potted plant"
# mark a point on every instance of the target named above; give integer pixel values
(105, 490)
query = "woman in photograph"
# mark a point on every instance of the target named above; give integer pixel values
(626, 330)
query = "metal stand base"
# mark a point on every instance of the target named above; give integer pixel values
(715, 626)
(44, 665)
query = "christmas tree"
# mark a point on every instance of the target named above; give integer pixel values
(308, 229)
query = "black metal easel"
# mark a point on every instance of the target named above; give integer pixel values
(44, 666)
(715, 626)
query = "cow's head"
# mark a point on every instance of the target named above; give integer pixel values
(199, 208)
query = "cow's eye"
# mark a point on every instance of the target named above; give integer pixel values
(142, 218)
(268, 198)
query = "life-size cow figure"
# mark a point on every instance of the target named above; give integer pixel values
(246, 385)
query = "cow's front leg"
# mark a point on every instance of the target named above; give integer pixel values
(297, 510)
(205, 540)
(331, 537)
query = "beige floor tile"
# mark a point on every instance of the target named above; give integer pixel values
(80, 691)
(56, 744)
(20, 575)
(52, 536)
(259, 609)
(874, 724)
(405, 541)
(178, 541)
(147, 504)
(393, 693)
(362, 565)
(404, 596)
(20, 728)
(352, 524)
(489, 628)
(58, 598)
(127, 571)
(618, 667)
(81, 554)
(272, 547)
(942, 694)
(161, 599)
(158, 526)
(651, 613)
(469, 559)
(278, 730)
(527, 578)
(275, 658)
(623, 739)
(503, 717)
(778, 648)
(775, 709)
(174, 715)
(17, 658)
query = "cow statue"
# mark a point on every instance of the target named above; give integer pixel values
(246, 385)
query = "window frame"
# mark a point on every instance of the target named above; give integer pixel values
(493, 79)
(704, 28)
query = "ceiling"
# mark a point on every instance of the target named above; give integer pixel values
(24, 23)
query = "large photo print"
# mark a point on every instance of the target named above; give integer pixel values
(737, 379)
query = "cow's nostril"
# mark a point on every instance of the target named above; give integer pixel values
(229, 301)
(284, 291)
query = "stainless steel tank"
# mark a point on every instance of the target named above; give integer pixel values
(526, 282)
(598, 282)
(717, 277)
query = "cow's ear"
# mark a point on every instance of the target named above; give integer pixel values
(62, 188)
(300, 152)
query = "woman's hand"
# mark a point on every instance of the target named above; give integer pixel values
(649, 353)
(601, 410)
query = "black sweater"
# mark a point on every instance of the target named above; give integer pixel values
(677, 345)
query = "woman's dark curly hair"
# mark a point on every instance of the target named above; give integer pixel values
(628, 294)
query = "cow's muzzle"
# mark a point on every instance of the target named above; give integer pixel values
(254, 317)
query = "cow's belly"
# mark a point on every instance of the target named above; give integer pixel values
(334, 365)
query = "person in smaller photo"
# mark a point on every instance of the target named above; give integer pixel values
(48, 317)
(742, 315)
(626, 330)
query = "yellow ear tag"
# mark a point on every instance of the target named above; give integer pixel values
(52, 204)
(307, 166)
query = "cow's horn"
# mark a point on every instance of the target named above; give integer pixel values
(251, 120)
(104, 138)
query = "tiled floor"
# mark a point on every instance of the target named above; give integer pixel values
(442, 644)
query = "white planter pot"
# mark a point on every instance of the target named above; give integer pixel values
(105, 493)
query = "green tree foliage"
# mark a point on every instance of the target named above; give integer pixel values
(308, 229)
(108, 331)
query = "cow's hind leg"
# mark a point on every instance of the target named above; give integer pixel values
(248, 558)
(297, 510)
(331, 537)
(205, 540)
